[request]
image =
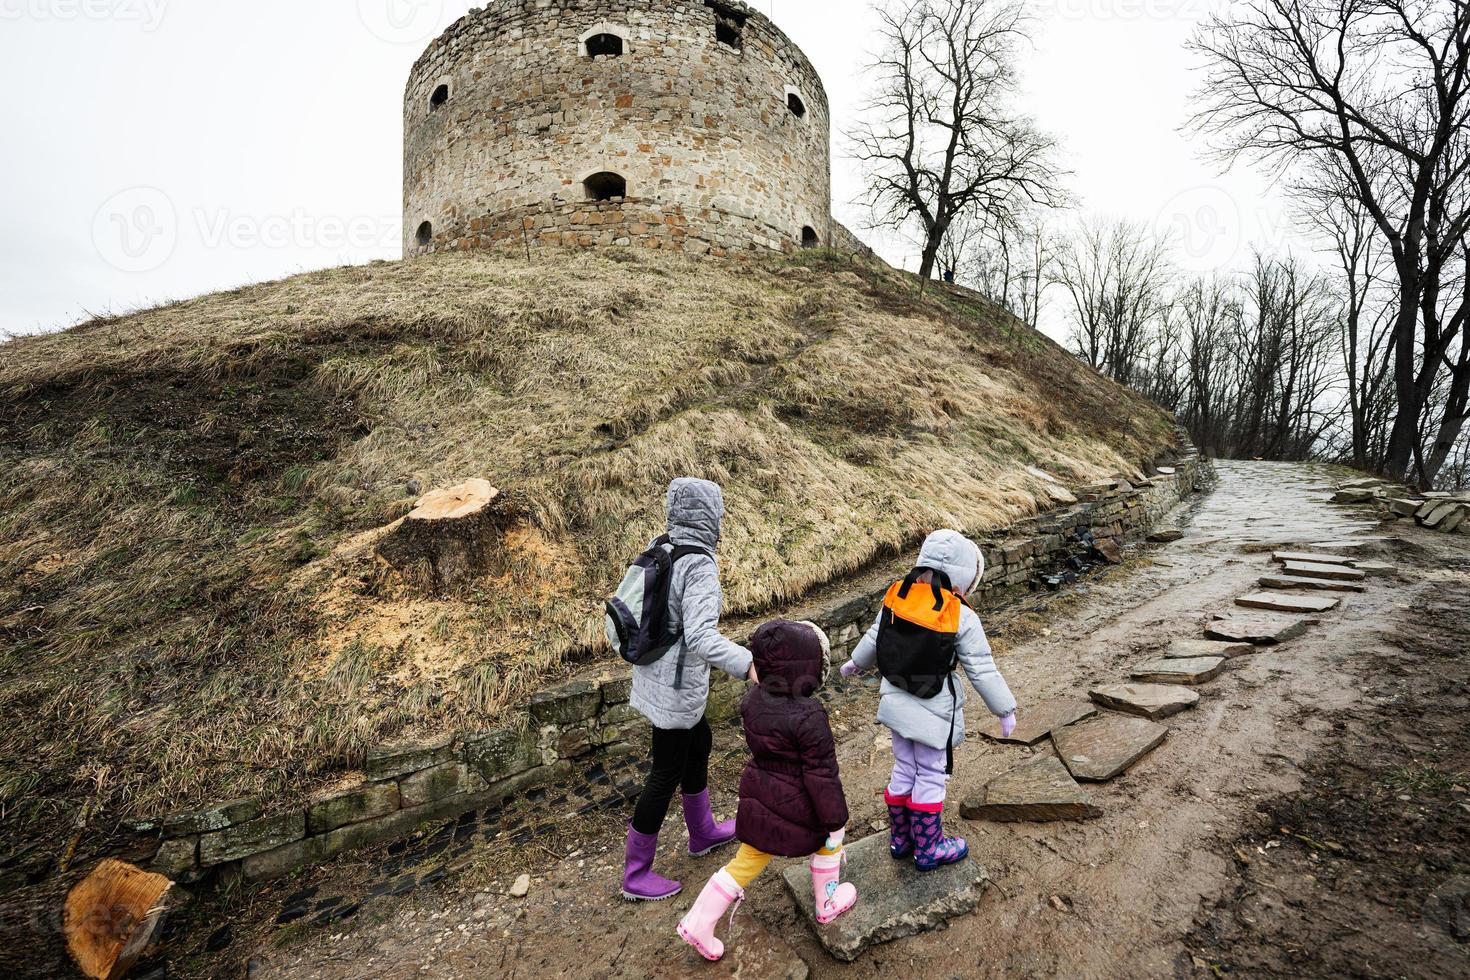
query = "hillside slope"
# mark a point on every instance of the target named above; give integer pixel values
(189, 605)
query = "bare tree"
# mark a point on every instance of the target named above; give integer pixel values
(1010, 258)
(1118, 278)
(939, 138)
(1377, 91)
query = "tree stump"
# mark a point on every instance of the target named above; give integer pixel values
(112, 916)
(450, 536)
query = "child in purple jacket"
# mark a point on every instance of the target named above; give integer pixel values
(791, 800)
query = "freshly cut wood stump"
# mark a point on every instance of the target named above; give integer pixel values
(112, 916)
(450, 536)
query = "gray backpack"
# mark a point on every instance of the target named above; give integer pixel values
(637, 616)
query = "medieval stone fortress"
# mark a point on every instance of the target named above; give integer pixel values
(689, 125)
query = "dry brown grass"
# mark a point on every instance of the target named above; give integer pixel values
(188, 495)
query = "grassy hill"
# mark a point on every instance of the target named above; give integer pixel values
(190, 607)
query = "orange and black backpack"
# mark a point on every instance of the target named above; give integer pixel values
(918, 639)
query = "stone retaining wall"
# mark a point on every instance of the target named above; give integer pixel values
(589, 718)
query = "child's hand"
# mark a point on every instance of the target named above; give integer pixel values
(850, 668)
(1008, 725)
(752, 676)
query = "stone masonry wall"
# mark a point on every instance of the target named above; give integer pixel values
(589, 719)
(701, 130)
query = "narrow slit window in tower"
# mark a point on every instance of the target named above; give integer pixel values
(608, 44)
(809, 237)
(605, 186)
(425, 233)
(439, 99)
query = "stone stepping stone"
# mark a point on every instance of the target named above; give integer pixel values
(1287, 603)
(1376, 569)
(1189, 649)
(1309, 584)
(1040, 790)
(1100, 748)
(1317, 570)
(1197, 670)
(1151, 701)
(1261, 632)
(1312, 558)
(1035, 724)
(895, 900)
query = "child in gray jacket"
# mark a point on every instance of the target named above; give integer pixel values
(925, 730)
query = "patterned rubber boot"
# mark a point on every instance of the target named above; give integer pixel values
(931, 848)
(831, 896)
(900, 825)
(697, 928)
(705, 834)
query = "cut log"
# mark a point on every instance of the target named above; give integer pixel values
(450, 537)
(112, 916)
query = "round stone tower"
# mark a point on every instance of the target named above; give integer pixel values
(691, 125)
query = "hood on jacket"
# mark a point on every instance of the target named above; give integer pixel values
(695, 510)
(955, 555)
(788, 658)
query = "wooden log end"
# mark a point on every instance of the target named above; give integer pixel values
(112, 916)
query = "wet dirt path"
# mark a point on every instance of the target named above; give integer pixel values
(1115, 896)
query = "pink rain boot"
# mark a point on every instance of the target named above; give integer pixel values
(697, 928)
(831, 896)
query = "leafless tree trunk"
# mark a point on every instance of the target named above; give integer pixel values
(1118, 278)
(939, 139)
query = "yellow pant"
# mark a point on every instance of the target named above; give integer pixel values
(750, 862)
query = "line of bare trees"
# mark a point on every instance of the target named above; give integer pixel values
(1362, 107)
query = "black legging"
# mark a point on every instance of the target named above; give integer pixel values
(680, 760)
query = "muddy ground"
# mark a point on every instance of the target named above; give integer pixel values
(1308, 818)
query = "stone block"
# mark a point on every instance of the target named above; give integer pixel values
(1289, 582)
(895, 900)
(211, 819)
(577, 742)
(1105, 746)
(177, 859)
(1311, 557)
(617, 690)
(1189, 649)
(440, 782)
(1276, 602)
(253, 837)
(1151, 701)
(1168, 670)
(619, 714)
(1404, 508)
(1352, 497)
(391, 761)
(504, 753)
(1040, 790)
(1323, 570)
(567, 704)
(1261, 632)
(1165, 535)
(1381, 569)
(1034, 724)
(362, 803)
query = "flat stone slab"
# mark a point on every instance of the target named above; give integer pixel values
(1312, 558)
(1308, 584)
(1151, 701)
(1260, 632)
(1100, 748)
(1035, 724)
(894, 899)
(1319, 570)
(1376, 569)
(1189, 649)
(1287, 603)
(1040, 790)
(1165, 670)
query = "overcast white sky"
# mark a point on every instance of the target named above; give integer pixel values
(158, 149)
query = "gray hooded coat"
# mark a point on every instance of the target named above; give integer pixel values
(695, 509)
(928, 722)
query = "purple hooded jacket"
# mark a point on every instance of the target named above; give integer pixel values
(790, 794)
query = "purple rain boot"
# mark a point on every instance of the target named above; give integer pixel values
(900, 825)
(932, 849)
(704, 833)
(640, 884)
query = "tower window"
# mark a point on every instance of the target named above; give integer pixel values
(794, 103)
(809, 237)
(605, 186)
(439, 99)
(425, 234)
(604, 44)
(729, 23)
